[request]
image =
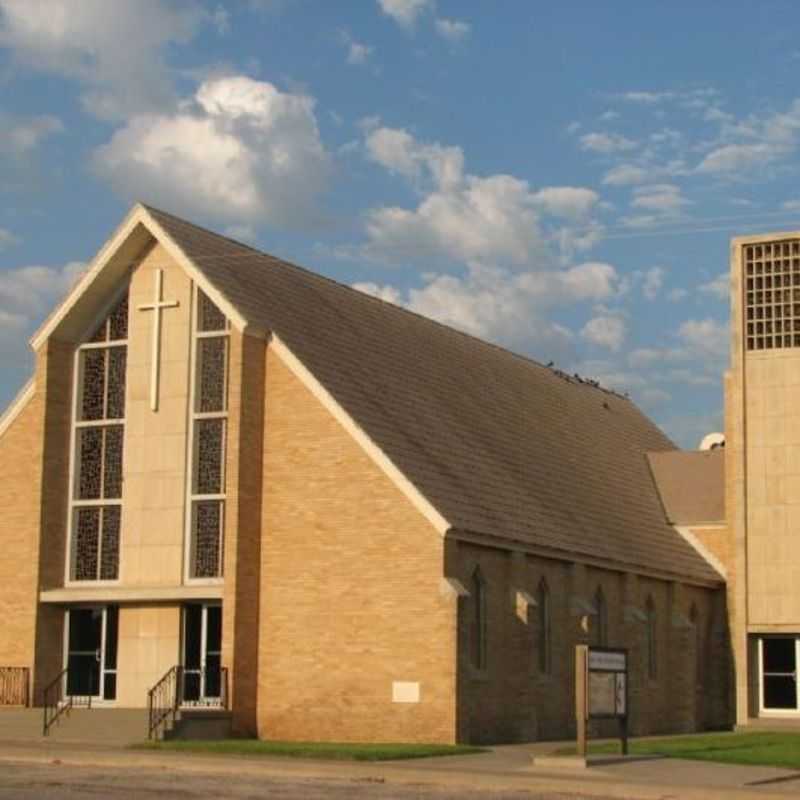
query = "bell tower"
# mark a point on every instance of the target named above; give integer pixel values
(763, 473)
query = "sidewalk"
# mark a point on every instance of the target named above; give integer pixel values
(504, 768)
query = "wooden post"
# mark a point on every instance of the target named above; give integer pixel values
(581, 696)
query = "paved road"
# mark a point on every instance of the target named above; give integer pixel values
(60, 782)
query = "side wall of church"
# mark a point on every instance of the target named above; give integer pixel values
(352, 601)
(514, 700)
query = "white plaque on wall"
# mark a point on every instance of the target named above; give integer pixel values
(405, 692)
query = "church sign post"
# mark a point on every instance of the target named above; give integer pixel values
(601, 690)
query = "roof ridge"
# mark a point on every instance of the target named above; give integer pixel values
(575, 379)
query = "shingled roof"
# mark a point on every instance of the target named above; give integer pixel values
(691, 484)
(499, 444)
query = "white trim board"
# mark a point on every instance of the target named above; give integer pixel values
(125, 243)
(17, 405)
(417, 499)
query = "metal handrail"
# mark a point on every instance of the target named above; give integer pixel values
(15, 686)
(54, 705)
(163, 700)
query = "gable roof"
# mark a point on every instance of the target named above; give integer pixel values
(499, 445)
(691, 484)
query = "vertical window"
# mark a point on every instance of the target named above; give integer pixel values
(208, 437)
(545, 627)
(98, 434)
(699, 661)
(652, 649)
(478, 620)
(601, 619)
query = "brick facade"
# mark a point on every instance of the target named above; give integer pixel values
(351, 597)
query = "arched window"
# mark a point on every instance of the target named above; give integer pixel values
(545, 629)
(652, 650)
(478, 620)
(694, 618)
(601, 619)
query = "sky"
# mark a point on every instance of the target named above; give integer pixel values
(562, 179)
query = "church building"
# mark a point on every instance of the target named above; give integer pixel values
(343, 521)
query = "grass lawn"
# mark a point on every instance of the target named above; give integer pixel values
(765, 749)
(324, 750)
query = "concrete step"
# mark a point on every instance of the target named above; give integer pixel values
(115, 727)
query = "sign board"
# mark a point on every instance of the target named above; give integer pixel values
(608, 671)
(601, 690)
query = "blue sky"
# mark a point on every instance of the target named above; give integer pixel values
(560, 178)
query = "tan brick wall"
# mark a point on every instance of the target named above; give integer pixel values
(20, 477)
(243, 526)
(351, 599)
(513, 701)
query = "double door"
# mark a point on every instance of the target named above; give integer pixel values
(91, 652)
(202, 654)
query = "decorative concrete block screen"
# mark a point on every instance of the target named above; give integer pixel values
(772, 294)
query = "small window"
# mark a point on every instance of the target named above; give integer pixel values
(545, 628)
(601, 619)
(478, 620)
(652, 649)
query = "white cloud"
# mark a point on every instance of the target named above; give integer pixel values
(240, 150)
(625, 174)
(7, 239)
(22, 135)
(676, 295)
(399, 152)
(28, 293)
(405, 12)
(719, 287)
(488, 220)
(605, 331)
(606, 143)
(791, 205)
(387, 293)
(453, 30)
(567, 201)
(646, 98)
(663, 198)
(116, 50)
(740, 157)
(504, 305)
(652, 281)
(358, 53)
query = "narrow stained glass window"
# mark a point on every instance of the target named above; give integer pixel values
(93, 384)
(98, 455)
(209, 317)
(109, 563)
(209, 455)
(207, 524)
(86, 539)
(209, 427)
(211, 372)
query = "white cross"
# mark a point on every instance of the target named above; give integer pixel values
(157, 305)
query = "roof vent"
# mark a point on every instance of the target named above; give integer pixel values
(712, 441)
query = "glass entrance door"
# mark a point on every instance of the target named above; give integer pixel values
(779, 661)
(202, 654)
(92, 652)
